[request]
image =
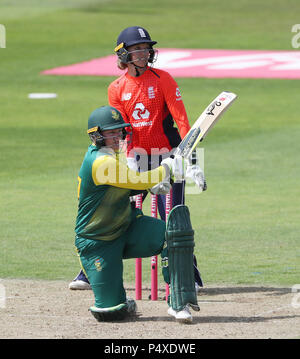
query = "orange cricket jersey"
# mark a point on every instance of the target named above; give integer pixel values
(150, 103)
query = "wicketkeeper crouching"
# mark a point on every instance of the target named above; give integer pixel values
(108, 229)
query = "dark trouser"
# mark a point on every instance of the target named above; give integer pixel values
(177, 198)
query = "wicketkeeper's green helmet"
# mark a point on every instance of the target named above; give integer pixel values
(102, 119)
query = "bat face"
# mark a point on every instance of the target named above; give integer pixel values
(187, 143)
(204, 123)
(214, 111)
(212, 107)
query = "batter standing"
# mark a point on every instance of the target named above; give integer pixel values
(150, 100)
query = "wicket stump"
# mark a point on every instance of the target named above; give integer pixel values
(138, 261)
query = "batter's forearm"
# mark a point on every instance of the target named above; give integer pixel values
(108, 171)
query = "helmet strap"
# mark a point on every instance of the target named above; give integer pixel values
(97, 139)
(137, 68)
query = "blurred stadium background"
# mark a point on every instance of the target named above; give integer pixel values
(246, 224)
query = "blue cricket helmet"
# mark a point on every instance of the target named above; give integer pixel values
(131, 36)
(134, 35)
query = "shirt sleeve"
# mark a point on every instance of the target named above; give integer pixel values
(175, 104)
(115, 101)
(107, 170)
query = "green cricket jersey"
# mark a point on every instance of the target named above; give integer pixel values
(105, 184)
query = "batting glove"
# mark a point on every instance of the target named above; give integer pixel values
(195, 173)
(175, 165)
(163, 187)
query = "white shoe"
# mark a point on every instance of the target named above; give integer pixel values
(197, 287)
(182, 316)
(80, 282)
(79, 285)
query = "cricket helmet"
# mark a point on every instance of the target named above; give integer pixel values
(131, 36)
(102, 119)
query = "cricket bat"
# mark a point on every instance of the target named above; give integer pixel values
(205, 123)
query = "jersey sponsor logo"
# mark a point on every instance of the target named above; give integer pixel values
(140, 112)
(151, 93)
(142, 124)
(126, 96)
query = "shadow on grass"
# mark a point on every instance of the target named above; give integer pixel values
(222, 290)
(247, 289)
(216, 319)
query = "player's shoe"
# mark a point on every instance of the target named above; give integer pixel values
(197, 287)
(182, 316)
(131, 306)
(80, 282)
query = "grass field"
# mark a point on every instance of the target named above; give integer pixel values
(247, 223)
